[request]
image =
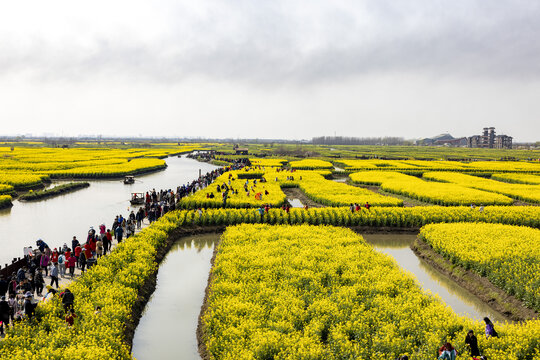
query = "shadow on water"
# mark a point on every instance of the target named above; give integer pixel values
(167, 329)
(459, 299)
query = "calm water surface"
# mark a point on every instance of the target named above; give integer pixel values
(57, 220)
(167, 329)
(459, 299)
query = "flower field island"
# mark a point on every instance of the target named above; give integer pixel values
(29, 167)
(429, 191)
(319, 292)
(530, 193)
(244, 188)
(518, 178)
(509, 256)
(420, 166)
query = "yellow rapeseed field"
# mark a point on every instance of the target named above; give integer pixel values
(508, 255)
(428, 191)
(306, 292)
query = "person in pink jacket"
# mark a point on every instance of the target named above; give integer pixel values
(71, 264)
(44, 263)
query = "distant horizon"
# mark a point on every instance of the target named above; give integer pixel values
(99, 137)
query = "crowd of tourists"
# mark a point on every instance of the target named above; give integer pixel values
(38, 279)
(45, 265)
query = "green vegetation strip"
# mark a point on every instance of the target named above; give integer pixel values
(57, 190)
(5, 201)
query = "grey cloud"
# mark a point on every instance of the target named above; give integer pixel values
(266, 44)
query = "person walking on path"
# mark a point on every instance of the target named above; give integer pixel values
(71, 262)
(29, 307)
(39, 282)
(61, 264)
(4, 314)
(119, 232)
(74, 243)
(54, 275)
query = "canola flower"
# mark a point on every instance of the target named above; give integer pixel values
(29, 166)
(310, 164)
(529, 193)
(5, 188)
(21, 181)
(236, 182)
(328, 192)
(428, 191)
(420, 166)
(319, 292)
(312, 183)
(267, 162)
(377, 216)
(518, 178)
(509, 256)
(5, 201)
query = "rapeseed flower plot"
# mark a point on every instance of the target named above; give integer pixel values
(518, 178)
(428, 191)
(420, 166)
(29, 167)
(518, 191)
(291, 292)
(377, 216)
(5, 200)
(309, 164)
(267, 162)
(5, 188)
(509, 256)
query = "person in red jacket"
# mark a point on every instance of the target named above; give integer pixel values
(88, 250)
(54, 257)
(71, 262)
(78, 251)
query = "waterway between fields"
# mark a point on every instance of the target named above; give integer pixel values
(167, 329)
(56, 220)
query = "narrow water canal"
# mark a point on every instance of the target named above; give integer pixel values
(462, 301)
(167, 329)
(56, 220)
(168, 326)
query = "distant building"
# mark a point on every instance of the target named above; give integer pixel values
(240, 151)
(444, 140)
(488, 140)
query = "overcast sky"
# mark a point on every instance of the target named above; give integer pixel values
(270, 69)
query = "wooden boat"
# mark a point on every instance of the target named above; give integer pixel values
(137, 199)
(129, 180)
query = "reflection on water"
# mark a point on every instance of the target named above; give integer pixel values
(57, 219)
(295, 203)
(167, 329)
(459, 299)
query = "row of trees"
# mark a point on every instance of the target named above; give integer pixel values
(343, 140)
